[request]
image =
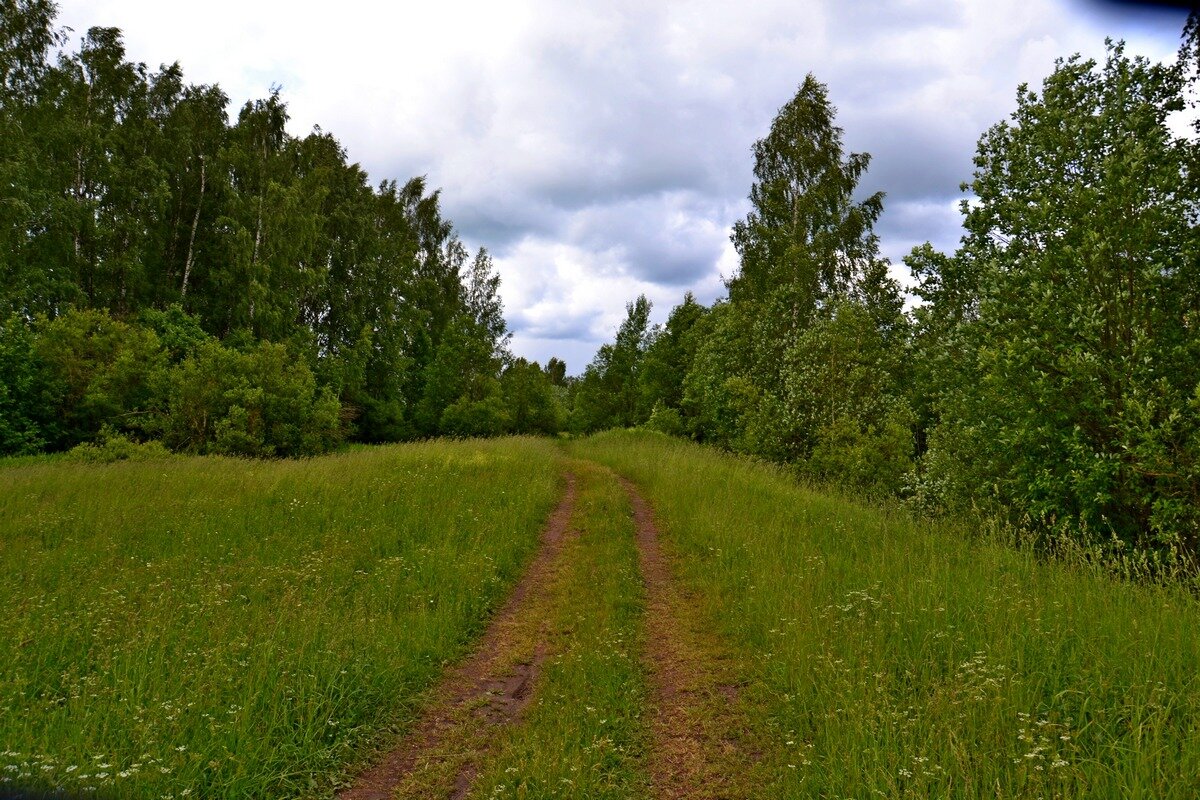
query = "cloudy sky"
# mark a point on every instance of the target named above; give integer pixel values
(602, 149)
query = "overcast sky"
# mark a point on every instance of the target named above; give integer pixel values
(602, 149)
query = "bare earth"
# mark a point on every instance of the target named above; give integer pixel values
(489, 690)
(697, 749)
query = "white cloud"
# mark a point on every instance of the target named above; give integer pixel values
(601, 149)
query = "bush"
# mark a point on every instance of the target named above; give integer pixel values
(25, 399)
(530, 399)
(665, 420)
(875, 457)
(111, 446)
(101, 371)
(467, 417)
(262, 402)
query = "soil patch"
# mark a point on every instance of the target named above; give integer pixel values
(490, 689)
(698, 748)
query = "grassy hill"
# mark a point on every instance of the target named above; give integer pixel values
(243, 628)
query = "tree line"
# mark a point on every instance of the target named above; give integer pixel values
(169, 274)
(219, 285)
(1050, 372)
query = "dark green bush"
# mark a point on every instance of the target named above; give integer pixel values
(263, 402)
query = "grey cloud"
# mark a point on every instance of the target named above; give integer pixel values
(580, 328)
(912, 162)
(666, 239)
(606, 145)
(500, 222)
(862, 20)
(907, 224)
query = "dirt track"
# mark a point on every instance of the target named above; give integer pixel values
(696, 749)
(491, 687)
(696, 752)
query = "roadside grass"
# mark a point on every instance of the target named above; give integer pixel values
(583, 735)
(886, 657)
(213, 627)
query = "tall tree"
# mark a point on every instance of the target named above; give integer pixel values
(608, 394)
(805, 237)
(669, 356)
(27, 35)
(1077, 408)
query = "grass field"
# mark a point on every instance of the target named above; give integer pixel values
(221, 628)
(888, 658)
(224, 628)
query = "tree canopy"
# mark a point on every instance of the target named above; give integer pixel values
(1050, 372)
(127, 194)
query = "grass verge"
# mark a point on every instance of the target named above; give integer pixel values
(884, 657)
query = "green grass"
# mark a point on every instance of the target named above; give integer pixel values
(583, 735)
(224, 628)
(893, 658)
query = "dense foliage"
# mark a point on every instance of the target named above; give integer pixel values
(1051, 373)
(219, 285)
(167, 272)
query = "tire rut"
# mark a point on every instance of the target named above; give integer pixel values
(697, 748)
(487, 691)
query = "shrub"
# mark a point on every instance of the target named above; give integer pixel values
(101, 371)
(467, 417)
(110, 446)
(258, 403)
(876, 456)
(25, 399)
(665, 420)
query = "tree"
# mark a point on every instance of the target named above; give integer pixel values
(608, 394)
(102, 372)
(1078, 284)
(482, 285)
(805, 247)
(669, 356)
(805, 238)
(556, 371)
(26, 394)
(719, 392)
(844, 410)
(529, 399)
(26, 37)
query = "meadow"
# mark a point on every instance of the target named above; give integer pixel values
(229, 628)
(887, 657)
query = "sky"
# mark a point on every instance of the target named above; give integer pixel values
(602, 149)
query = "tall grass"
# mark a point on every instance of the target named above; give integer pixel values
(887, 657)
(224, 628)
